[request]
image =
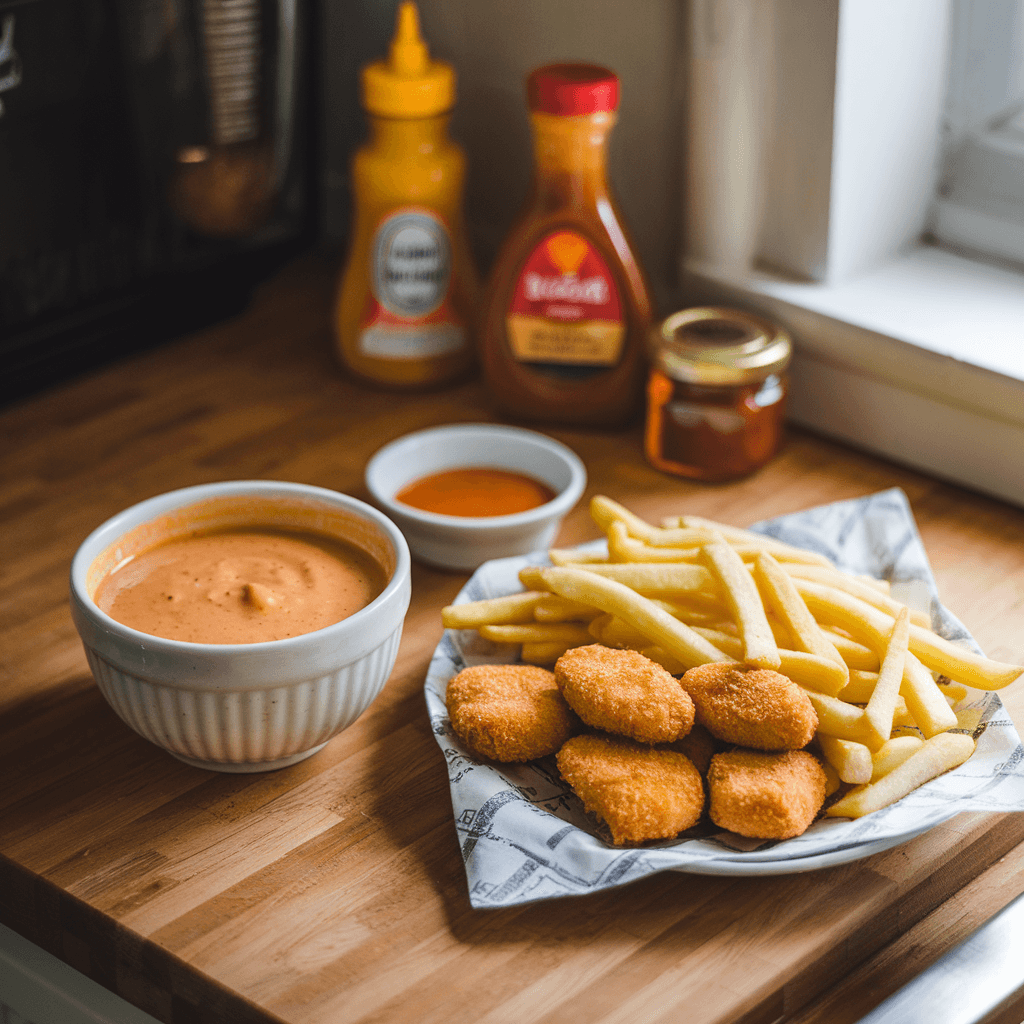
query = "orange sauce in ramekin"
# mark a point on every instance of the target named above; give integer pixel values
(475, 492)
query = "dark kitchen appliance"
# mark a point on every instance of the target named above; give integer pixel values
(155, 162)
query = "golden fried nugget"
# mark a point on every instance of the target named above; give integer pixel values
(757, 707)
(625, 693)
(509, 712)
(698, 745)
(766, 796)
(641, 792)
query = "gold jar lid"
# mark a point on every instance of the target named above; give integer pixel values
(719, 347)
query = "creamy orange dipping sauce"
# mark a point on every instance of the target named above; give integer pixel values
(240, 586)
(475, 492)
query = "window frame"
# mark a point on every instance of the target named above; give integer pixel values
(980, 200)
(911, 352)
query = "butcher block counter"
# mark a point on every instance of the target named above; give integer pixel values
(333, 891)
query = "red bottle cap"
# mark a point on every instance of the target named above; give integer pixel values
(572, 89)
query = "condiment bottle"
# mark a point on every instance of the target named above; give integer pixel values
(566, 310)
(716, 395)
(408, 291)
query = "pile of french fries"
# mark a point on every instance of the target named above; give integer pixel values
(691, 591)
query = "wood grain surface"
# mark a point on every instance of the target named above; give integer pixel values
(333, 891)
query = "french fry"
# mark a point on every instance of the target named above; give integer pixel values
(741, 595)
(822, 675)
(752, 541)
(780, 632)
(572, 634)
(892, 753)
(807, 670)
(901, 717)
(711, 616)
(731, 645)
(680, 537)
(782, 598)
(512, 609)
(953, 692)
(623, 548)
(543, 653)
(882, 704)
(560, 556)
(658, 580)
(551, 608)
(832, 780)
(860, 687)
(858, 656)
(840, 720)
(611, 631)
(857, 587)
(851, 760)
(872, 625)
(606, 512)
(925, 701)
(611, 596)
(936, 755)
(664, 659)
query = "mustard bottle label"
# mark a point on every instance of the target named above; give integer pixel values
(409, 315)
(565, 316)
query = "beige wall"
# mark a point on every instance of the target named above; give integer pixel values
(493, 44)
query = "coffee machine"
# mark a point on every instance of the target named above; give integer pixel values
(156, 160)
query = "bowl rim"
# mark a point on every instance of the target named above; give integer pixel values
(559, 505)
(134, 515)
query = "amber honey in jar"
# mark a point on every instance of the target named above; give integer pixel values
(716, 395)
(567, 310)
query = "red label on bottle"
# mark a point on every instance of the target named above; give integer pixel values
(565, 309)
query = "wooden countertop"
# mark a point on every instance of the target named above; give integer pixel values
(333, 891)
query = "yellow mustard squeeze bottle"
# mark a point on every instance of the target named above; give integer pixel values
(408, 290)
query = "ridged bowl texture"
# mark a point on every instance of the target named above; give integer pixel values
(243, 707)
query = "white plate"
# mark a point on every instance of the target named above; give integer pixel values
(524, 835)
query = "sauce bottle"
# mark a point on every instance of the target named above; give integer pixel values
(566, 311)
(408, 291)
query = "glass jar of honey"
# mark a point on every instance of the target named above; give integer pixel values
(716, 395)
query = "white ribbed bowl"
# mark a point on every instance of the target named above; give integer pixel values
(243, 707)
(464, 543)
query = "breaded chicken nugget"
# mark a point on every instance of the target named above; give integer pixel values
(766, 796)
(751, 707)
(698, 745)
(509, 712)
(625, 693)
(640, 792)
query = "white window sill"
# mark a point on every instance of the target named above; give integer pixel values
(920, 360)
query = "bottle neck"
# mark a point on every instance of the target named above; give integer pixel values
(572, 145)
(420, 135)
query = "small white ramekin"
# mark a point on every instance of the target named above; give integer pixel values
(243, 707)
(465, 542)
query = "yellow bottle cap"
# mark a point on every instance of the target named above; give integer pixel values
(408, 83)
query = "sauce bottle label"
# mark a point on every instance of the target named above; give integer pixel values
(565, 317)
(408, 314)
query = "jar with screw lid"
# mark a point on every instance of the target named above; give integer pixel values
(716, 394)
